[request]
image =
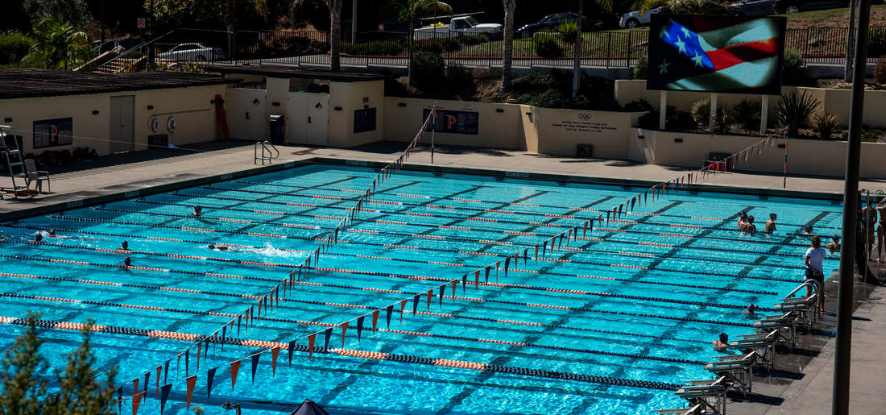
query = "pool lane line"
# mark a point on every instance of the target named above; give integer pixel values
(190, 337)
(504, 221)
(309, 323)
(608, 264)
(521, 204)
(504, 322)
(539, 346)
(459, 251)
(419, 224)
(265, 264)
(373, 273)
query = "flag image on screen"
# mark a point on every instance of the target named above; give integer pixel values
(716, 53)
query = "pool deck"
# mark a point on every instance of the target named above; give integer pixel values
(802, 386)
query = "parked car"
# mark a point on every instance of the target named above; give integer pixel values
(635, 18)
(796, 6)
(458, 25)
(192, 52)
(752, 8)
(550, 22)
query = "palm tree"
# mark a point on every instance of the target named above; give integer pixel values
(334, 31)
(411, 11)
(510, 7)
(58, 44)
(576, 66)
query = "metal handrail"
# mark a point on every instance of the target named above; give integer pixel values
(132, 50)
(812, 284)
(269, 152)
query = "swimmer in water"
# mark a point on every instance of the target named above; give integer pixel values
(742, 221)
(220, 248)
(197, 211)
(38, 237)
(750, 311)
(834, 247)
(721, 344)
(124, 247)
(126, 262)
(749, 226)
(770, 224)
(52, 233)
(807, 230)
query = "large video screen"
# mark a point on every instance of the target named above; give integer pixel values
(716, 53)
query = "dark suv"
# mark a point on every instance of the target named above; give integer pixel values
(550, 22)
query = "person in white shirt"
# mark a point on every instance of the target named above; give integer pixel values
(814, 270)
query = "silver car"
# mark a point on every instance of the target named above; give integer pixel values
(192, 52)
(635, 18)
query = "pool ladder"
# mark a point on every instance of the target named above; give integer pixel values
(268, 152)
(12, 153)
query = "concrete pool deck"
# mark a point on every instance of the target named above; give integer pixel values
(802, 386)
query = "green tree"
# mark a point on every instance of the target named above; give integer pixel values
(73, 11)
(334, 31)
(81, 392)
(20, 391)
(606, 6)
(510, 7)
(411, 11)
(58, 44)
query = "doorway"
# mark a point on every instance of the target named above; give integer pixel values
(122, 115)
(308, 118)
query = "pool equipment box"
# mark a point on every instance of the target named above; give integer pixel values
(454, 122)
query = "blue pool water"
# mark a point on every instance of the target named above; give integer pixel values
(647, 295)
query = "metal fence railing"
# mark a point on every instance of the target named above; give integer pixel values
(619, 49)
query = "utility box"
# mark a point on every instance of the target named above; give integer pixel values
(584, 150)
(276, 128)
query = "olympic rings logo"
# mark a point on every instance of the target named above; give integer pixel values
(584, 116)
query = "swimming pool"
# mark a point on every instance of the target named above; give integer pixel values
(636, 302)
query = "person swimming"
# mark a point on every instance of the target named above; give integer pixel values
(127, 262)
(721, 344)
(197, 211)
(750, 311)
(834, 247)
(807, 230)
(770, 224)
(52, 233)
(749, 226)
(124, 246)
(220, 248)
(742, 220)
(38, 237)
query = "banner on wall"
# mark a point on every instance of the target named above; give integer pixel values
(53, 133)
(454, 122)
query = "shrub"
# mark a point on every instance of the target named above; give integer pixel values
(451, 45)
(638, 106)
(794, 72)
(375, 48)
(876, 42)
(701, 112)
(880, 70)
(472, 40)
(680, 120)
(825, 124)
(546, 45)
(641, 67)
(871, 136)
(549, 99)
(13, 47)
(431, 46)
(723, 121)
(568, 31)
(427, 70)
(748, 114)
(458, 78)
(794, 109)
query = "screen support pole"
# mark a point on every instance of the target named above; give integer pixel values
(663, 110)
(764, 114)
(713, 121)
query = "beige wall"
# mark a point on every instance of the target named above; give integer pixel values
(496, 129)
(834, 101)
(191, 107)
(350, 96)
(561, 131)
(806, 157)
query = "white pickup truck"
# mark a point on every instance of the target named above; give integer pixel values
(466, 25)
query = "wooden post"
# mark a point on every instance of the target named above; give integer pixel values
(764, 114)
(663, 110)
(713, 121)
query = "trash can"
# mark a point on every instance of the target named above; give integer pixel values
(276, 129)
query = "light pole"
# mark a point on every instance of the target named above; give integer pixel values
(840, 402)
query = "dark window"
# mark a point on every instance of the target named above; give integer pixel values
(53, 133)
(364, 120)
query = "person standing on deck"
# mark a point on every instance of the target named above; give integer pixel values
(881, 227)
(815, 270)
